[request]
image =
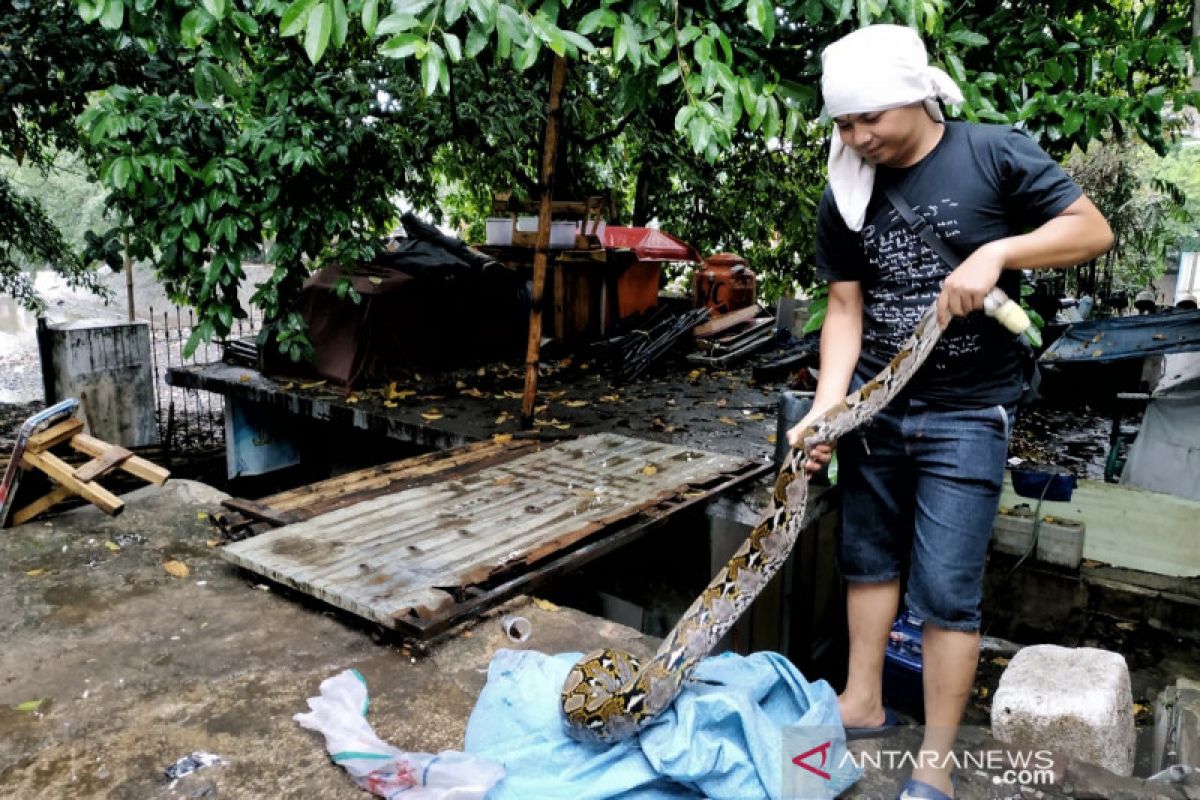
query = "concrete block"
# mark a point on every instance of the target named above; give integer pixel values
(1060, 541)
(1075, 701)
(106, 365)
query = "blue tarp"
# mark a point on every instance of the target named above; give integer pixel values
(1120, 338)
(723, 737)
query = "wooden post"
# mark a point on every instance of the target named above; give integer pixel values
(542, 252)
(128, 278)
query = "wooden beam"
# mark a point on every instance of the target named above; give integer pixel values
(138, 467)
(102, 465)
(43, 503)
(727, 321)
(62, 473)
(54, 435)
(541, 254)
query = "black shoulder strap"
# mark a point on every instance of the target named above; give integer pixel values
(918, 225)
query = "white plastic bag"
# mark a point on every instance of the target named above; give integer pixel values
(339, 712)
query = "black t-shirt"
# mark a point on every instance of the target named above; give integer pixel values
(980, 183)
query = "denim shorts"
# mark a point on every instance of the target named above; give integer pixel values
(920, 489)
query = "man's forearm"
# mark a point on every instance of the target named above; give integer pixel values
(841, 341)
(1077, 235)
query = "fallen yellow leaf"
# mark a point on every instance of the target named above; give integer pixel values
(201, 515)
(771, 439)
(575, 403)
(721, 403)
(389, 404)
(116, 548)
(504, 480)
(1000, 661)
(459, 385)
(29, 706)
(177, 569)
(649, 469)
(352, 399)
(33, 573)
(610, 398)
(501, 438)
(473, 392)
(244, 378)
(287, 386)
(513, 395)
(312, 385)
(212, 542)
(726, 421)
(481, 372)
(544, 605)
(755, 417)
(431, 414)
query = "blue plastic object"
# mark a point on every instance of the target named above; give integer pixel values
(1033, 482)
(903, 689)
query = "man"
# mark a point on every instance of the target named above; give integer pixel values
(921, 482)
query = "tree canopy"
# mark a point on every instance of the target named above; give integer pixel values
(216, 124)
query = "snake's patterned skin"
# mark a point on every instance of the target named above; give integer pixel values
(610, 695)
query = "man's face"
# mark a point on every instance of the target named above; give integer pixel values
(883, 137)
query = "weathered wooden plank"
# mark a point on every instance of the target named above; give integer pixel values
(1127, 526)
(101, 465)
(392, 558)
(54, 435)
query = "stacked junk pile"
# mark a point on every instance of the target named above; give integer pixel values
(430, 302)
(727, 327)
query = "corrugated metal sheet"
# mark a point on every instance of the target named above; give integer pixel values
(403, 558)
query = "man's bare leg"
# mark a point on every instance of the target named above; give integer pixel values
(870, 610)
(948, 665)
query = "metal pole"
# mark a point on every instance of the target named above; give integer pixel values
(542, 251)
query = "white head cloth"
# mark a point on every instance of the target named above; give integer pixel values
(874, 69)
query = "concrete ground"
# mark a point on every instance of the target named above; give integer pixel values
(136, 668)
(112, 669)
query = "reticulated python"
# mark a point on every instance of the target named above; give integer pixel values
(610, 695)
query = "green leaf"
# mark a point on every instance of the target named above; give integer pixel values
(688, 34)
(316, 35)
(444, 76)
(580, 42)
(341, 22)
(401, 46)
(844, 11)
(292, 21)
(90, 10)
(245, 23)
(761, 16)
(864, 13)
(413, 7)
(225, 317)
(429, 69)
(122, 169)
(191, 240)
(1145, 20)
(202, 81)
(453, 46)
(669, 75)
(452, 10)
(214, 7)
(195, 24)
(1053, 70)
(954, 66)
(477, 40)
(370, 16)
(683, 116)
(396, 23)
(966, 37)
(1072, 121)
(114, 13)
(594, 21)
(29, 706)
